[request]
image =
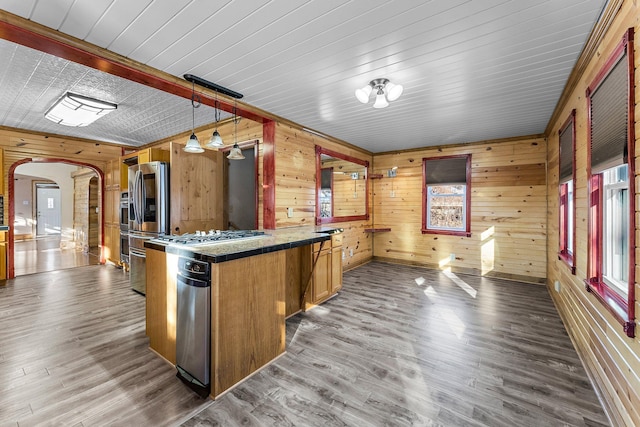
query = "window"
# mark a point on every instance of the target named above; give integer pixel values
(567, 195)
(611, 260)
(446, 198)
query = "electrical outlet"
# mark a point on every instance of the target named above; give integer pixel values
(557, 285)
(344, 254)
(452, 257)
(393, 194)
(350, 252)
(289, 212)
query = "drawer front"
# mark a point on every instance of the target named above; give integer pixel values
(336, 239)
(325, 247)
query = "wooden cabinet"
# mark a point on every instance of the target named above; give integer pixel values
(196, 193)
(247, 320)
(326, 278)
(2, 174)
(321, 279)
(336, 263)
(161, 308)
(141, 156)
(3, 255)
(112, 211)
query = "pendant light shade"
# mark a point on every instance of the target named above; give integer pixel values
(216, 140)
(193, 145)
(236, 152)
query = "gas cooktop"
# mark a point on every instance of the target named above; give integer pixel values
(212, 236)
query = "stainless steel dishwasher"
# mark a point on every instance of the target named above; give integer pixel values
(193, 325)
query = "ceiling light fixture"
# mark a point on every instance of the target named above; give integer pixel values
(193, 145)
(209, 85)
(236, 152)
(216, 139)
(385, 92)
(78, 110)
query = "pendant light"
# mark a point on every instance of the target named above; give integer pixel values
(193, 145)
(216, 139)
(236, 152)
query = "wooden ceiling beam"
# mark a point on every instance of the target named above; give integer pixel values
(35, 36)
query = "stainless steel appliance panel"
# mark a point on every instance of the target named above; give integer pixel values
(137, 260)
(137, 270)
(193, 323)
(149, 197)
(124, 211)
(124, 247)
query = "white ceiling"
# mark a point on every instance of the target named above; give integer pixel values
(471, 69)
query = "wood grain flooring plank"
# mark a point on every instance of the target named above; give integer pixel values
(399, 346)
(391, 351)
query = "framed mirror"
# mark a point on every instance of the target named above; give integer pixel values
(342, 187)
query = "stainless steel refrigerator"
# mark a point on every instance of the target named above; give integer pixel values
(148, 214)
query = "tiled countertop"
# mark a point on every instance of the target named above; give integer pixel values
(273, 240)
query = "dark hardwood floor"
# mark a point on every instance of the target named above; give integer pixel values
(399, 346)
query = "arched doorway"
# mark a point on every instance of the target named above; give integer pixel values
(12, 213)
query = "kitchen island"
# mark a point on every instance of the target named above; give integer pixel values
(255, 283)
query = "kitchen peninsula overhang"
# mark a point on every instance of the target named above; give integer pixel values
(228, 250)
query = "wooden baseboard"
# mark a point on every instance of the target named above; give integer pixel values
(607, 406)
(463, 270)
(358, 264)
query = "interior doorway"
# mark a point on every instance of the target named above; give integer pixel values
(51, 246)
(47, 209)
(241, 190)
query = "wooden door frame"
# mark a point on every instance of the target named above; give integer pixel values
(12, 209)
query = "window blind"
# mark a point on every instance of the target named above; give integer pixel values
(446, 171)
(609, 118)
(566, 153)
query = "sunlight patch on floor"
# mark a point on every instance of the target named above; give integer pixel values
(450, 318)
(461, 283)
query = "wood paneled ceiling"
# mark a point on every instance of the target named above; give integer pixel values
(471, 70)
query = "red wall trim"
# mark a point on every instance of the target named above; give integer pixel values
(12, 208)
(319, 151)
(256, 174)
(564, 254)
(269, 175)
(631, 135)
(594, 282)
(425, 230)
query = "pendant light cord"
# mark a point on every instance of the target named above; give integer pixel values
(194, 98)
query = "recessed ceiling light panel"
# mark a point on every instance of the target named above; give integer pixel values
(77, 110)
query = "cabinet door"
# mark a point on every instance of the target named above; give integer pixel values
(112, 242)
(336, 269)
(322, 276)
(144, 156)
(3, 261)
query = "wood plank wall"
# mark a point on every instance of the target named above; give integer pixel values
(611, 358)
(296, 188)
(508, 211)
(85, 221)
(20, 144)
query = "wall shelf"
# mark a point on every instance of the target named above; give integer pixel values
(376, 230)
